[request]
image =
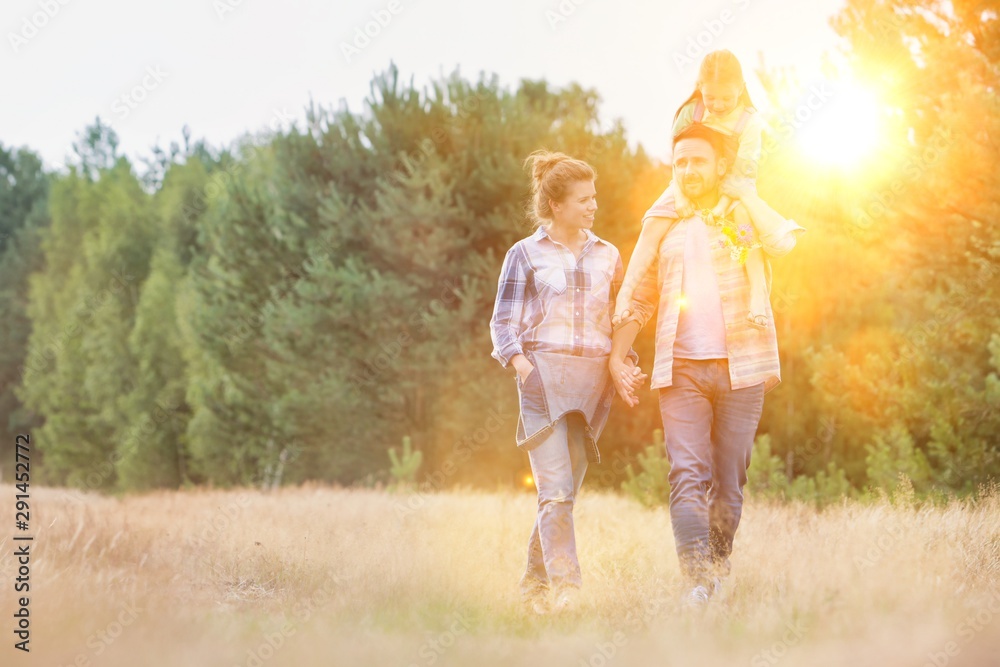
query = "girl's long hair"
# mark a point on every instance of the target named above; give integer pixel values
(719, 67)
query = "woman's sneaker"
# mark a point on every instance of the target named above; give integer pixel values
(566, 600)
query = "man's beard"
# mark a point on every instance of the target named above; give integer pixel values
(694, 189)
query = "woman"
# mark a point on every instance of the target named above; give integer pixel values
(552, 323)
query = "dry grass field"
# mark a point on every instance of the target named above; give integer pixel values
(322, 576)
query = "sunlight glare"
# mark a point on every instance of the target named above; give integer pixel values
(845, 131)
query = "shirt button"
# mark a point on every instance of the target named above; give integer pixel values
(578, 289)
(578, 312)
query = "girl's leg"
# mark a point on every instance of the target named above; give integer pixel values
(758, 289)
(643, 257)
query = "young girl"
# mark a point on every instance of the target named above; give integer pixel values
(552, 323)
(720, 101)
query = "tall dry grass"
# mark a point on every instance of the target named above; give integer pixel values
(321, 576)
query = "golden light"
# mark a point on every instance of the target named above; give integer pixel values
(682, 301)
(844, 130)
(528, 481)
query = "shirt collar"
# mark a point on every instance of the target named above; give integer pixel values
(592, 238)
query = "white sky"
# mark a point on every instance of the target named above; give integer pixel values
(229, 66)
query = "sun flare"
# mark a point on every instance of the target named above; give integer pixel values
(844, 132)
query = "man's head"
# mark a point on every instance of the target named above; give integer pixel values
(701, 158)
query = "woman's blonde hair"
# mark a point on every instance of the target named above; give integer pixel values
(552, 174)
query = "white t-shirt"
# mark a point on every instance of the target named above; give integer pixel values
(701, 328)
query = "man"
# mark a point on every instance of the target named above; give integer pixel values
(711, 366)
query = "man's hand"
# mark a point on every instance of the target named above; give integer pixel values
(522, 366)
(627, 378)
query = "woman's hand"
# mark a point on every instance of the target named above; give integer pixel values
(627, 378)
(522, 366)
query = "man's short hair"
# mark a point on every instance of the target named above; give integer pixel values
(724, 145)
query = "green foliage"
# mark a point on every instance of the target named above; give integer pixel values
(767, 478)
(268, 311)
(24, 192)
(892, 454)
(405, 464)
(651, 485)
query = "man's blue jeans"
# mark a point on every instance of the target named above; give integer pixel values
(709, 430)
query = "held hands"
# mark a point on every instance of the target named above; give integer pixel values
(627, 379)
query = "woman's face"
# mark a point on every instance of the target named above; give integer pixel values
(577, 209)
(720, 98)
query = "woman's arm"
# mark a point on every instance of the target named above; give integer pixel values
(616, 286)
(505, 325)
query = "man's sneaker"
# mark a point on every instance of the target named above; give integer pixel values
(696, 598)
(536, 599)
(717, 584)
(539, 606)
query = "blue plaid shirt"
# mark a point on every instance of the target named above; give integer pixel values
(550, 301)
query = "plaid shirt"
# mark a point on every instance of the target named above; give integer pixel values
(550, 301)
(753, 354)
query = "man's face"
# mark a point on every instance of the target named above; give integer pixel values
(696, 167)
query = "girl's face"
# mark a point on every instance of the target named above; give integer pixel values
(720, 98)
(577, 209)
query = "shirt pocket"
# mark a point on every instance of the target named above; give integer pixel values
(551, 279)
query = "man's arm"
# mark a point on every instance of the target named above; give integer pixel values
(616, 286)
(644, 301)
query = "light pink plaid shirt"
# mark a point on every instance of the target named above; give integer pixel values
(753, 354)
